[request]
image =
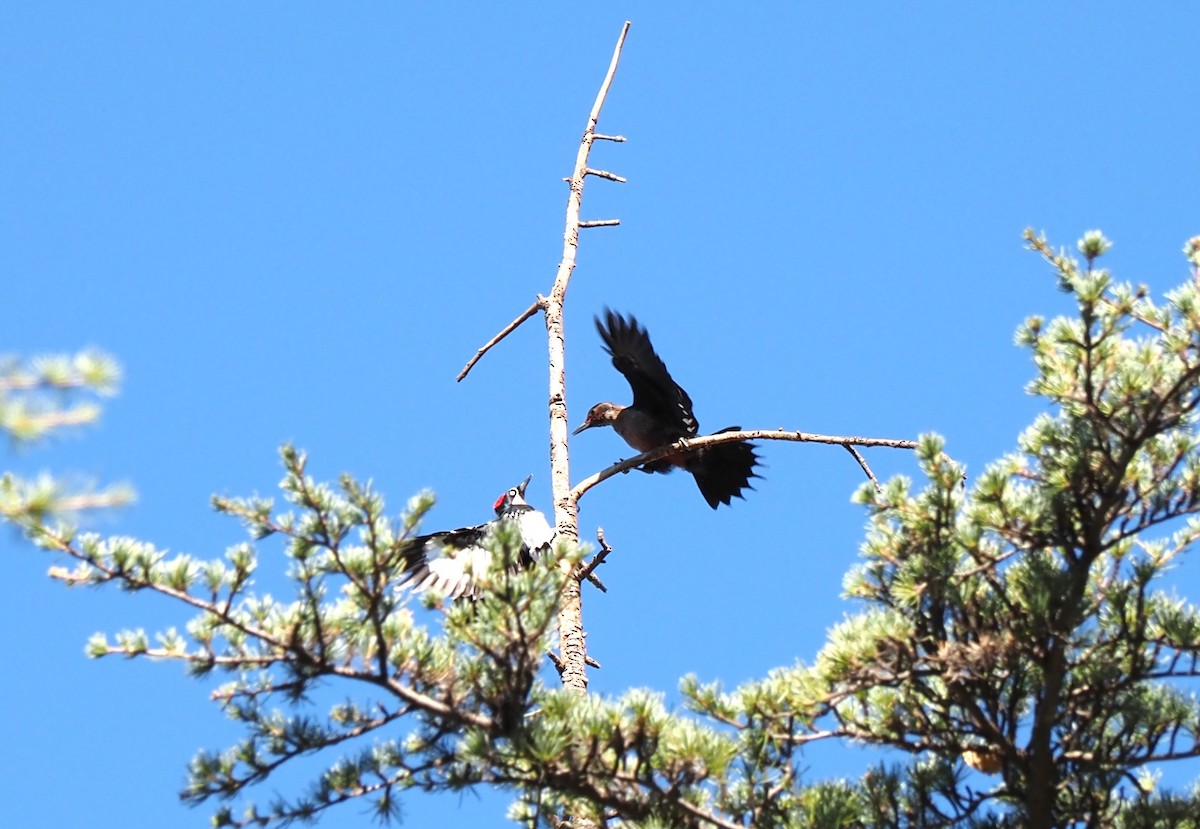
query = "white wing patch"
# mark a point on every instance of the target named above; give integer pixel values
(453, 573)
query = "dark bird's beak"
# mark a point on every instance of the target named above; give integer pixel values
(523, 484)
(587, 424)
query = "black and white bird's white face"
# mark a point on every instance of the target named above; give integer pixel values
(534, 529)
(515, 497)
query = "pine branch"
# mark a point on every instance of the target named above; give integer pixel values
(135, 579)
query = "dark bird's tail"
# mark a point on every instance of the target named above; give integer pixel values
(723, 471)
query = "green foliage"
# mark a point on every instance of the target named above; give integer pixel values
(38, 399)
(1013, 644)
(1017, 628)
(465, 692)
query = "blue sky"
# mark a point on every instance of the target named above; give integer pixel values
(295, 222)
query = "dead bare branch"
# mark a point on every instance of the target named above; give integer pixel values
(508, 329)
(588, 570)
(604, 174)
(863, 463)
(572, 647)
(692, 444)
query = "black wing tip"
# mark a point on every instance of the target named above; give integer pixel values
(618, 328)
(617, 319)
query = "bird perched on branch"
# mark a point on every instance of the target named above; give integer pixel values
(447, 561)
(661, 413)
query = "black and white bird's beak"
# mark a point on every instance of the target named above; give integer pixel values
(522, 485)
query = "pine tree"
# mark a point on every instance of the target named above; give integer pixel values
(1013, 643)
(1013, 646)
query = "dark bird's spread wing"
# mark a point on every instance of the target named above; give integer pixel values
(654, 392)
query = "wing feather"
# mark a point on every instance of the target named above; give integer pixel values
(654, 390)
(444, 561)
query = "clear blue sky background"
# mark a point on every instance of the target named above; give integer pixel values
(295, 222)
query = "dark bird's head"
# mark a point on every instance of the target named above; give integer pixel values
(514, 497)
(602, 414)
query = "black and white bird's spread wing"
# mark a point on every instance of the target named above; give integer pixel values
(446, 561)
(654, 391)
(536, 532)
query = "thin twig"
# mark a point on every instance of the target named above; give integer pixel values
(692, 444)
(600, 223)
(512, 326)
(706, 816)
(588, 570)
(863, 463)
(604, 174)
(29, 382)
(618, 138)
(1133, 312)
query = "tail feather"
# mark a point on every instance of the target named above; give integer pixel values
(722, 472)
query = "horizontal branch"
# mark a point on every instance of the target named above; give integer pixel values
(788, 738)
(705, 815)
(31, 382)
(691, 444)
(617, 138)
(193, 658)
(410, 694)
(600, 223)
(78, 416)
(604, 174)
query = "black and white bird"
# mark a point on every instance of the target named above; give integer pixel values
(450, 561)
(661, 413)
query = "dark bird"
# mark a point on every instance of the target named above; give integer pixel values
(449, 561)
(661, 413)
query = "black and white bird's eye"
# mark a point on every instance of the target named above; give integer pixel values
(512, 493)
